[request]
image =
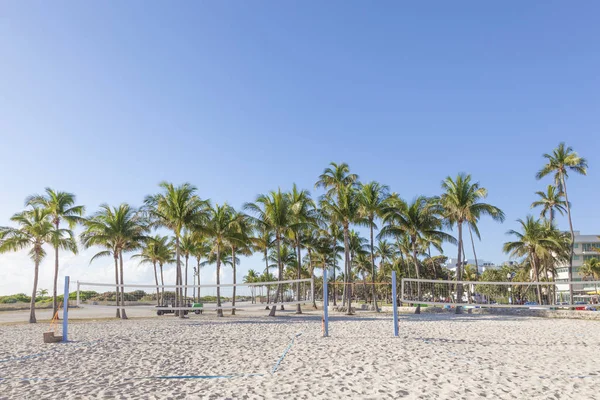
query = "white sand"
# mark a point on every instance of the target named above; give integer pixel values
(436, 356)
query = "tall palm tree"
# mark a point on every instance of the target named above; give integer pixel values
(188, 246)
(537, 241)
(345, 211)
(239, 243)
(371, 197)
(332, 234)
(221, 228)
(274, 211)
(201, 250)
(252, 277)
(461, 202)
(419, 219)
(177, 208)
(61, 206)
(34, 231)
(303, 215)
(336, 177)
(117, 229)
(562, 161)
(550, 201)
(150, 254)
(262, 241)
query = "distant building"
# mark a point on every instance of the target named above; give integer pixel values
(482, 264)
(583, 250)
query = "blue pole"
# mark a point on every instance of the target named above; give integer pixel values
(395, 303)
(325, 304)
(66, 311)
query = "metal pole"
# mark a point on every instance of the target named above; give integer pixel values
(77, 293)
(395, 303)
(325, 305)
(66, 311)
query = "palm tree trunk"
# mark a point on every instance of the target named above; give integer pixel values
(123, 313)
(334, 286)
(266, 276)
(312, 276)
(280, 270)
(186, 276)
(414, 249)
(156, 280)
(219, 310)
(348, 277)
(55, 288)
(537, 278)
(334, 267)
(298, 308)
(193, 284)
(32, 319)
(116, 257)
(234, 278)
(432, 262)
(178, 291)
(459, 288)
(162, 284)
(198, 280)
(564, 184)
(474, 254)
(373, 294)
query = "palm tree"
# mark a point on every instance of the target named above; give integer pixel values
(303, 215)
(35, 230)
(461, 202)
(239, 242)
(117, 229)
(332, 235)
(371, 197)
(61, 206)
(263, 241)
(187, 248)
(419, 219)
(252, 277)
(563, 160)
(156, 251)
(344, 211)
(201, 250)
(220, 226)
(591, 269)
(166, 255)
(275, 213)
(177, 208)
(537, 241)
(550, 202)
(335, 178)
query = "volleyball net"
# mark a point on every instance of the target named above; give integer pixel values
(498, 294)
(196, 298)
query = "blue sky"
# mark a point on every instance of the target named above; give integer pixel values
(106, 99)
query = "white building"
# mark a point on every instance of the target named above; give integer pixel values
(482, 264)
(583, 250)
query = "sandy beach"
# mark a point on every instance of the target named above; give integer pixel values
(436, 356)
